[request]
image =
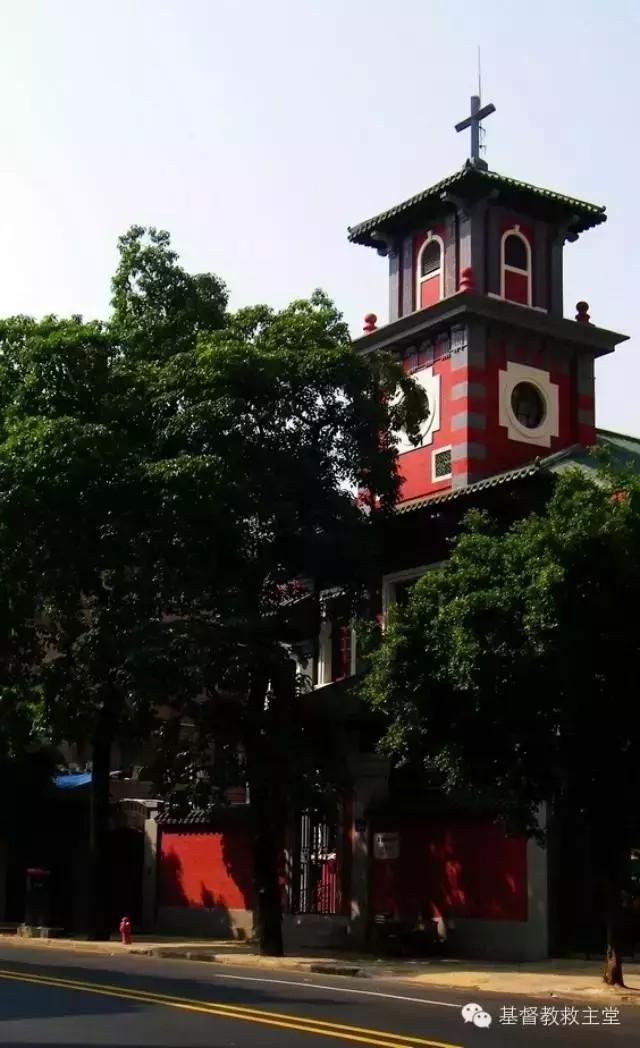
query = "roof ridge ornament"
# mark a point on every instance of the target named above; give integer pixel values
(477, 115)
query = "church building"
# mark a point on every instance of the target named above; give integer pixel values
(476, 315)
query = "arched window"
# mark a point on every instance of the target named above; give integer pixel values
(515, 267)
(430, 272)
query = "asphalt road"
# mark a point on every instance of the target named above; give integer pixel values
(63, 998)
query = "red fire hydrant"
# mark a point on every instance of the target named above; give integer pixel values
(125, 931)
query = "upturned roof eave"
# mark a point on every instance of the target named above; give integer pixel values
(473, 183)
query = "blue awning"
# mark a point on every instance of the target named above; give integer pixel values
(72, 781)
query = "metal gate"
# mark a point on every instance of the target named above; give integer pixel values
(315, 886)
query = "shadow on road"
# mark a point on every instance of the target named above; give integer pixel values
(29, 1000)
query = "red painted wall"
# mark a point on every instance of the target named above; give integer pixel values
(430, 291)
(500, 451)
(504, 453)
(468, 868)
(206, 869)
(516, 287)
(416, 466)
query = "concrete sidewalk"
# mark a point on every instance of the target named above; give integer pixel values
(549, 978)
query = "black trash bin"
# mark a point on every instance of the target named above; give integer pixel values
(38, 898)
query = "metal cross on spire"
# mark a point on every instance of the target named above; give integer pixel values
(478, 113)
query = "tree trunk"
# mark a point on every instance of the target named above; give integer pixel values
(267, 815)
(613, 966)
(99, 838)
(609, 838)
(268, 909)
(612, 974)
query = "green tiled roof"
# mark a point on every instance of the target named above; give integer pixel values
(472, 182)
(624, 451)
(495, 481)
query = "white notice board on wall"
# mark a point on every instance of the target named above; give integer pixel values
(386, 845)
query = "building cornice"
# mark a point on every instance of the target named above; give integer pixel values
(468, 305)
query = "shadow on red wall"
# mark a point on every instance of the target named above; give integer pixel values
(465, 869)
(205, 868)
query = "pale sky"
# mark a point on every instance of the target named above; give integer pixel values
(256, 131)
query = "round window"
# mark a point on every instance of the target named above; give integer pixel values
(528, 405)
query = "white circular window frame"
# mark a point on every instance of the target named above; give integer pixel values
(430, 383)
(508, 379)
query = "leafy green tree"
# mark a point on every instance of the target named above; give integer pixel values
(280, 406)
(159, 308)
(73, 560)
(508, 671)
(78, 442)
(164, 480)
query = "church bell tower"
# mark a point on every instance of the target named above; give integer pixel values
(476, 315)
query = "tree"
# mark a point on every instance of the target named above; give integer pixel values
(281, 407)
(69, 533)
(77, 448)
(179, 469)
(508, 670)
(159, 308)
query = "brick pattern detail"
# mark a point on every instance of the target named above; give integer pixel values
(469, 408)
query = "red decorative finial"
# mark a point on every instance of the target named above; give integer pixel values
(582, 316)
(467, 282)
(370, 323)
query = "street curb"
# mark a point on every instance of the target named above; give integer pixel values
(114, 949)
(215, 958)
(336, 969)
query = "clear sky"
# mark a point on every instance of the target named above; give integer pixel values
(257, 130)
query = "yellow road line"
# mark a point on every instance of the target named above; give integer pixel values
(320, 1027)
